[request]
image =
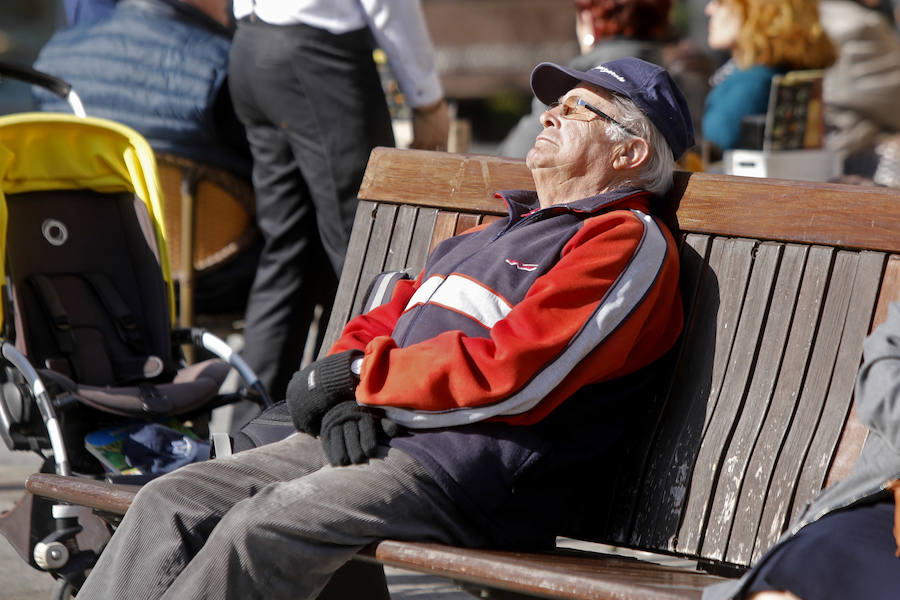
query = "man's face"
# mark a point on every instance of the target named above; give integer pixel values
(572, 146)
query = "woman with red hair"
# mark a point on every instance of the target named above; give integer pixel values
(599, 20)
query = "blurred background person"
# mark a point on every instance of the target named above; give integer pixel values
(306, 87)
(159, 67)
(862, 87)
(889, 9)
(764, 38)
(85, 12)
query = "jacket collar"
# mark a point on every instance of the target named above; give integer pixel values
(523, 202)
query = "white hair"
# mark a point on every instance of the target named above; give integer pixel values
(656, 174)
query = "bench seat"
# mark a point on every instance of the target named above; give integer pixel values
(566, 573)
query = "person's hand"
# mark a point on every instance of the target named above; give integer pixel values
(315, 388)
(350, 433)
(431, 126)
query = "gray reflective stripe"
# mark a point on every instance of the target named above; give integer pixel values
(463, 295)
(621, 299)
(383, 288)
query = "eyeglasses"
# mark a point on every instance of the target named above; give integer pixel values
(573, 109)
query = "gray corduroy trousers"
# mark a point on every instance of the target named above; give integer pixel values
(273, 522)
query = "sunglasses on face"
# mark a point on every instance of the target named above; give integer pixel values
(576, 109)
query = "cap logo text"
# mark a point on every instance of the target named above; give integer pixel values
(610, 72)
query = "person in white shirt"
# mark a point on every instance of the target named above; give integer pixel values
(306, 88)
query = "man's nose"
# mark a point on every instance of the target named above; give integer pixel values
(549, 118)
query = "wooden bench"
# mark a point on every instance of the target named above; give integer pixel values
(781, 282)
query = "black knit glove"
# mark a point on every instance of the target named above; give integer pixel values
(350, 433)
(320, 385)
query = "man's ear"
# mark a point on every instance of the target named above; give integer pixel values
(631, 154)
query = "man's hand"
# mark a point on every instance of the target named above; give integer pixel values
(317, 387)
(350, 433)
(431, 125)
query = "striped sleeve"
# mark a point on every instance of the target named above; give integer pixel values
(379, 320)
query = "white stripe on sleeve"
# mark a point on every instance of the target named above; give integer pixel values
(621, 299)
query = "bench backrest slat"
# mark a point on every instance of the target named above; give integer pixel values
(445, 226)
(780, 285)
(783, 497)
(828, 432)
(377, 249)
(854, 434)
(426, 221)
(738, 363)
(401, 240)
(771, 351)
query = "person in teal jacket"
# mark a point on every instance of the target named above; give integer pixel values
(740, 92)
(765, 38)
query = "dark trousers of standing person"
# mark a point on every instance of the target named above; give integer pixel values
(313, 107)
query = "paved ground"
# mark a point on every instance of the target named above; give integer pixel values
(18, 581)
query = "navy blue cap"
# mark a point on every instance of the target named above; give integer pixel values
(649, 86)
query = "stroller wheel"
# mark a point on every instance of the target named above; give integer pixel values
(63, 590)
(50, 556)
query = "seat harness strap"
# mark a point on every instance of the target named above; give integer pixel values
(125, 323)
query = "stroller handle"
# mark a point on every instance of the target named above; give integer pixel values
(42, 399)
(217, 346)
(56, 85)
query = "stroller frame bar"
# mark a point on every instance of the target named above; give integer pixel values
(42, 400)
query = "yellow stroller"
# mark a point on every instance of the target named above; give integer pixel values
(86, 321)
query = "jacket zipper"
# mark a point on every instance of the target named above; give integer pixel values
(455, 267)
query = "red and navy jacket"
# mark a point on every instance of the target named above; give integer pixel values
(507, 321)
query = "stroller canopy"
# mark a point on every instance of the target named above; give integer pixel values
(49, 151)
